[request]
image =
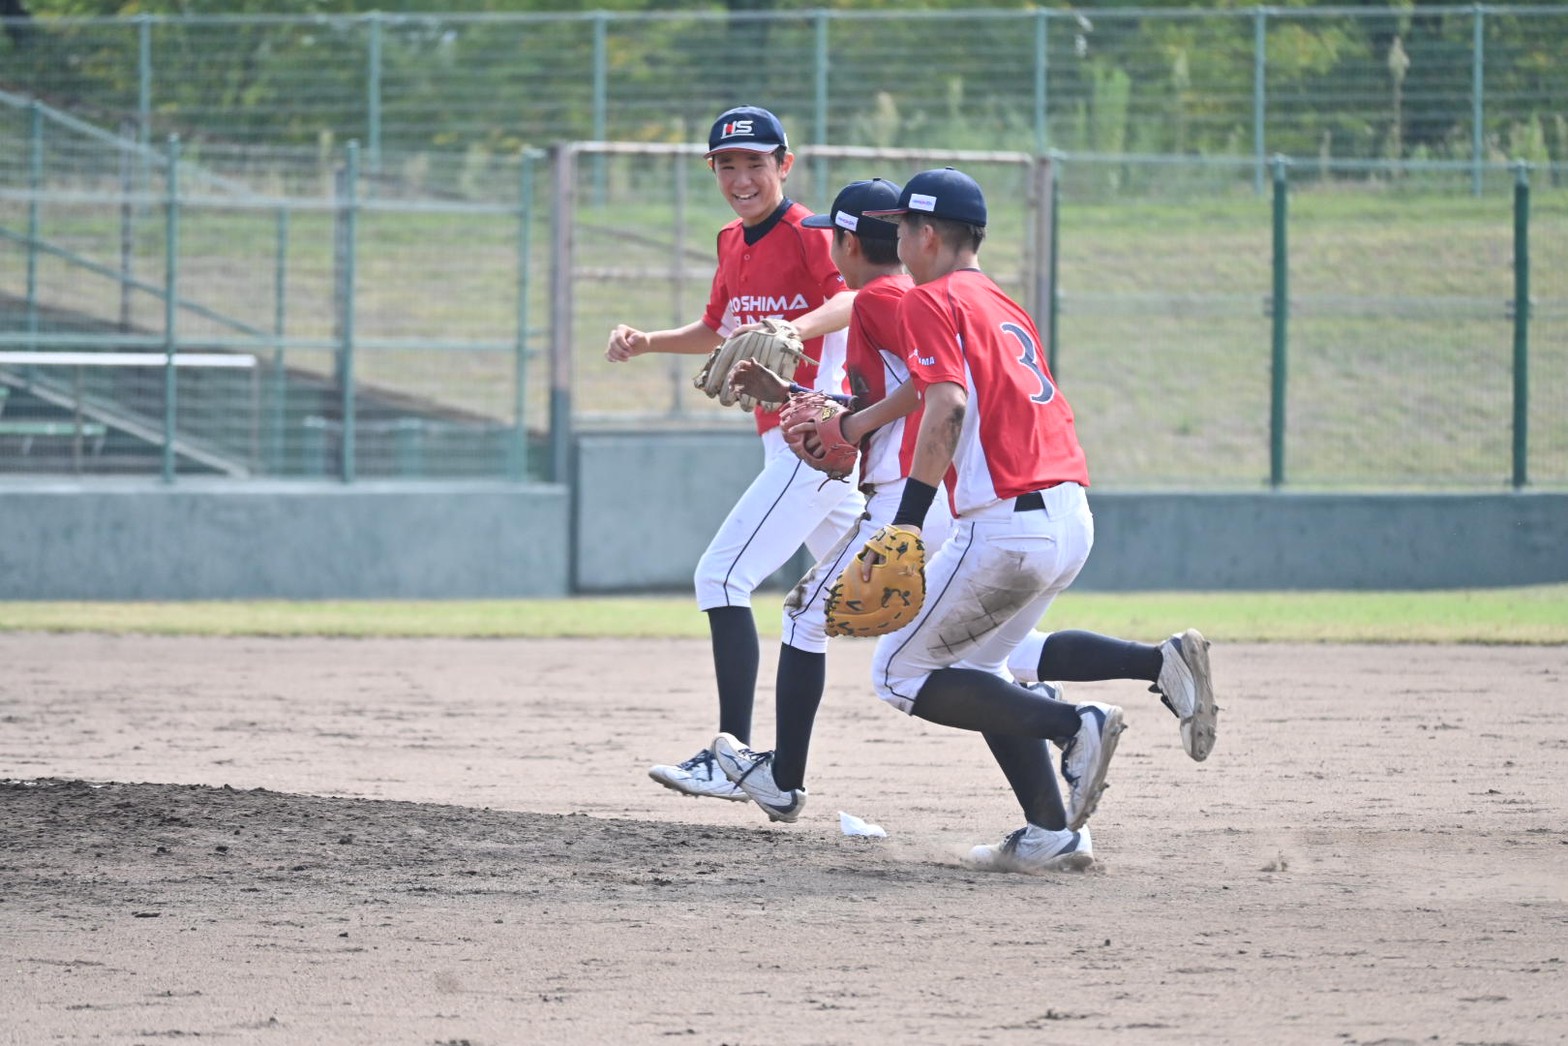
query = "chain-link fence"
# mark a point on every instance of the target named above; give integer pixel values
(417, 318)
(192, 325)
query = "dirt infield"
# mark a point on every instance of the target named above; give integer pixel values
(444, 842)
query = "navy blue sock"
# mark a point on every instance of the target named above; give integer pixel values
(735, 657)
(1078, 656)
(973, 700)
(801, 680)
(1026, 761)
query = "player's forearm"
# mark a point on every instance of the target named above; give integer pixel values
(696, 338)
(902, 402)
(832, 315)
(934, 449)
(939, 430)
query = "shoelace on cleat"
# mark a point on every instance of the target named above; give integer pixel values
(702, 758)
(1010, 844)
(757, 758)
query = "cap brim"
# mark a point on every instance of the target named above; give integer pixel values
(894, 213)
(756, 147)
(818, 221)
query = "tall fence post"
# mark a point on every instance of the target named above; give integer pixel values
(563, 171)
(144, 83)
(171, 290)
(35, 184)
(563, 207)
(1477, 98)
(128, 164)
(1279, 312)
(1042, 64)
(1044, 195)
(1259, 93)
(278, 399)
(819, 164)
(525, 219)
(350, 205)
(1054, 308)
(1521, 323)
(677, 364)
(373, 93)
(601, 101)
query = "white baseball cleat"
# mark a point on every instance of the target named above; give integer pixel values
(699, 776)
(1055, 691)
(1086, 758)
(752, 772)
(1033, 850)
(1185, 688)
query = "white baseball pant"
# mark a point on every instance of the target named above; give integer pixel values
(986, 588)
(787, 505)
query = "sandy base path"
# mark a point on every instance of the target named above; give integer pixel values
(447, 842)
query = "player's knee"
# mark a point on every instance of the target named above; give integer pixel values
(714, 589)
(895, 683)
(805, 630)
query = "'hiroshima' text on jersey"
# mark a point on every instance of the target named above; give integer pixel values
(779, 269)
(749, 308)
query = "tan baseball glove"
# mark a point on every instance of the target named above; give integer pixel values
(893, 596)
(774, 343)
(813, 413)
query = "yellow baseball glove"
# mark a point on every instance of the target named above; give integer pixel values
(892, 598)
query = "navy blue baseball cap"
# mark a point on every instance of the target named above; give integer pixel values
(747, 127)
(942, 193)
(850, 207)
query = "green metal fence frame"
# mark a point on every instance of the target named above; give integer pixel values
(562, 159)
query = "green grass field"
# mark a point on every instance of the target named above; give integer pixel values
(1533, 615)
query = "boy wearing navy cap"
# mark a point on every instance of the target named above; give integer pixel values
(866, 252)
(768, 266)
(1022, 527)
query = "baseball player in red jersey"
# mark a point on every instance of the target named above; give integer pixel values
(768, 266)
(1022, 528)
(865, 251)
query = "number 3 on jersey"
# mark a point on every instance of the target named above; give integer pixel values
(1030, 358)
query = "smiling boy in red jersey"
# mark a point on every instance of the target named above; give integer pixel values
(768, 266)
(866, 252)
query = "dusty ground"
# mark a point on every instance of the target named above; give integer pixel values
(441, 842)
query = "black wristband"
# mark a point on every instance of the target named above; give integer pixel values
(915, 503)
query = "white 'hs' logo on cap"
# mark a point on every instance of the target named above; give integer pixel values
(735, 127)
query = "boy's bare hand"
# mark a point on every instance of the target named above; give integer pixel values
(750, 378)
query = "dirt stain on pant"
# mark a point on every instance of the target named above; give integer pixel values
(991, 607)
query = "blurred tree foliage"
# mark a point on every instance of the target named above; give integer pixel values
(1126, 75)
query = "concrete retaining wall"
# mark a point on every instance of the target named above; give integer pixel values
(252, 540)
(646, 504)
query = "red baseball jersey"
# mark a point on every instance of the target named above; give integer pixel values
(874, 364)
(1018, 433)
(785, 272)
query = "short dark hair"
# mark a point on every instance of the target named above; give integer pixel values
(957, 235)
(778, 155)
(877, 252)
